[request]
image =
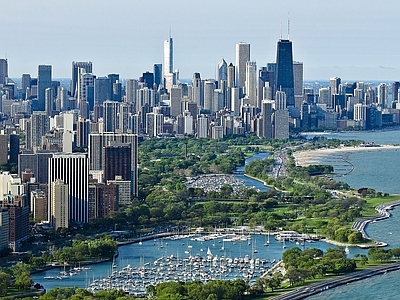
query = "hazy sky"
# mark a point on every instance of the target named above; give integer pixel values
(352, 39)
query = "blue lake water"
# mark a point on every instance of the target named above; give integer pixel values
(376, 169)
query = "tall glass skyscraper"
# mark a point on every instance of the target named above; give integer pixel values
(284, 70)
(43, 83)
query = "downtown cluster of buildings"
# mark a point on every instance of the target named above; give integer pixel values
(77, 158)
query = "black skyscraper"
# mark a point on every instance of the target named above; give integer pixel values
(284, 70)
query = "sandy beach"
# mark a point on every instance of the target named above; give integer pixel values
(310, 157)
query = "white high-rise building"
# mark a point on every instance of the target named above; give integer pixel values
(168, 56)
(73, 170)
(325, 96)
(242, 57)
(251, 82)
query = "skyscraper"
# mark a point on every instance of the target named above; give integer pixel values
(383, 95)
(111, 109)
(168, 64)
(43, 82)
(251, 82)
(222, 72)
(3, 70)
(99, 140)
(87, 65)
(284, 70)
(101, 90)
(242, 57)
(157, 70)
(117, 161)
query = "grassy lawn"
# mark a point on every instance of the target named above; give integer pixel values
(369, 209)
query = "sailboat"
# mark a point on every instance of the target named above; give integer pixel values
(140, 240)
(347, 250)
(267, 241)
(223, 246)
(254, 247)
(284, 245)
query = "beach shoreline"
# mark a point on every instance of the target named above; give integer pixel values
(308, 157)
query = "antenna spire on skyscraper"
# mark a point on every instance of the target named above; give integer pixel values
(288, 27)
(280, 37)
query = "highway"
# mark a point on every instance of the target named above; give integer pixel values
(318, 287)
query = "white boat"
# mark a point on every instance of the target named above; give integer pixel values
(347, 250)
(267, 241)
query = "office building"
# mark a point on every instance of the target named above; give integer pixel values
(131, 88)
(59, 217)
(76, 65)
(267, 109)
(197, 90)
(298, 78)
(168, 63)
(73, 170)
(43, 83)
(222, 72)
(101, 90)
(284, 71)
(3, 71)
(209, 87)
(251, 82)
(242, 57)
(158, 74)
(281, 124)
(175, 100)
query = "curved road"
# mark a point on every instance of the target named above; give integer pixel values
(323, 285)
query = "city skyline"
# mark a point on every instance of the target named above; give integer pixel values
(129, 39)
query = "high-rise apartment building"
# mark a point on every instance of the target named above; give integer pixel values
(59, 204)
(43, 83)
(87, 66)
(110, 113)
(39, 126)
(284, 70)
(383, 95)
(242, 57)
(117, 161)
(158, 74)
(73, 170)
(99, 140)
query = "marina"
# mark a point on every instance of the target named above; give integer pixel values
(202, 257)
